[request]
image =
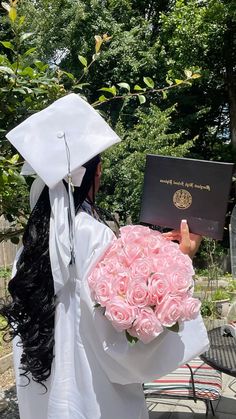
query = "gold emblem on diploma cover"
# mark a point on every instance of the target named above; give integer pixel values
(182, 199)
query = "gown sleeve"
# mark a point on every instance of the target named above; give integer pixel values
(122, 362)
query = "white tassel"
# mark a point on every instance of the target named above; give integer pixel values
(71, 216)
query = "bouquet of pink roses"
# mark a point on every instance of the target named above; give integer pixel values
(144, 284)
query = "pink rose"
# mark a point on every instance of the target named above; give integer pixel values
(110, 267)
(94, 277)
(191, 308)
(120, 313)
(169, 311)
(133, 233)
(160, 263)
(115, 247)
(141, 268)
(153, 243)
(180, 282)
(103, 292)
(158, 287)
(146, 326)
(185, 262)
(120, 284)
(170, 248)
(137, 293)
(131, 252)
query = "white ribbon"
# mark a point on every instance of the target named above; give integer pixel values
(59, 238)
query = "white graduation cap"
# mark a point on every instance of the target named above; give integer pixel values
(55, 143)
(63, 136)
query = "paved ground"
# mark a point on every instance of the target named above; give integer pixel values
(159, 409)
(10, 402)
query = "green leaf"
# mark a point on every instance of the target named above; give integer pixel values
(14, 159)
(21, 20)
(97, 305)
(149, 82)
(25, 36)
(12, 14)
(164, 94)
(40, 65)
(174, 328)
(8, 45)
(19, 90)
(111, 90)
(98, 43)
(131, 339)
(178, 81)
(83, 60)
(188, 82)
(28, 71)
(102, 98)
(169, 82)
(137, 87)
(29, 51)
(8, 70)
(28, 90)
(188, 73)
(69, 75)
(5, 176)
(38, 91)
(124, 86)
(196, 76)
(80, 85)
(142, 99)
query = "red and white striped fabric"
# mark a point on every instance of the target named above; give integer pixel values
(207, 382)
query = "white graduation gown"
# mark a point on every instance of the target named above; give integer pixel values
(96, 373)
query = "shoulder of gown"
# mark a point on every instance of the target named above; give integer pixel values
(92, 238)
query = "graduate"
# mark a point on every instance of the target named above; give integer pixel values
(70, 362)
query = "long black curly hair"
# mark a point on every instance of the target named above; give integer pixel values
(30, 312)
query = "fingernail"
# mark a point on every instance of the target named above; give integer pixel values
(183, 221)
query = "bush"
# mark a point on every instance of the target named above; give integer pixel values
(220, 294)
(207, 308)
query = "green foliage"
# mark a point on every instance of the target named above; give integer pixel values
(202, 34)
(232, 286)
(5, 273)
(131, 339)
(123, 167)
(220, 294)
(210, 256)
(26, 85)
(207, 308)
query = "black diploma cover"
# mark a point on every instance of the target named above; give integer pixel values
(179, 188)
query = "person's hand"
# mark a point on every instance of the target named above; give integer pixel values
(188, 242)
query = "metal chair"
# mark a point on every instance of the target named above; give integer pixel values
(195, 380)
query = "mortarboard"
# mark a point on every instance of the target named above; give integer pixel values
(68, 129)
